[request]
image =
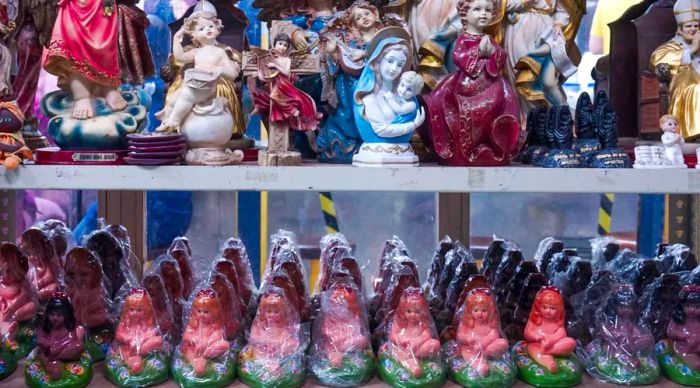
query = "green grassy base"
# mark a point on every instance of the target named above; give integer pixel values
(502, 372)
(605, 367)
(97, 343)
(394, 374)
(291, 373)
(357, 368)
(23, 341)
(156, 369)
(673, 366)
(8, 362)
(76, 374)
(568, 373)
(219, 372)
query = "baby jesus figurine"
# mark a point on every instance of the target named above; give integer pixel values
(479, 334)
(204, 337)
(672, 140)
(137, 334)
(210, 61)
(342, 327)
(403, 101)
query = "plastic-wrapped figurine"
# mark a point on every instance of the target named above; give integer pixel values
(139, 355)
(229, 304)
(110, 250)
(659, 300)
(180, 251)
(60, 359)
(170, 272)
(274, 355)
(61, 236)
(234, 250)
(623, 351)
(205, 358)
(411, 357)
(154, 285)
(479, 357)
(17, 300)
(341, 354)
(228, 270)
(492, 136)
(194, 109)
(84, 285)
(545, 358)
(679, 353)
(44, 269)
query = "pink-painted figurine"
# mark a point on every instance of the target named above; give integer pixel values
(84, 287)
(205, 336)
(16, 301)
(59, 339)
(473, 114)
(137, 333)
(44, 270)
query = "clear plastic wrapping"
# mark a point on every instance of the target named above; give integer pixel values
(114, 257)
(226, 268)
(333, 246)
(434, 282)
(341, 353)
(162, 306)
(18, 300)
(466, 267)
(169, 271)
(514, 328)
(658, 302)
(45, 271)
(492, 258)
(403, 277)
(61, 236)
(622, 351)
(479, 355)
(545, 251)
(234, 251)
(585, 304)
(205, 357)
(677, 258)
(603, 251)
(411, 354)
(182, 253)
(276, 343)
(132, 263)
(140, 352)
(678, 351)
(391, 245)
(87, 290)
(230, 304)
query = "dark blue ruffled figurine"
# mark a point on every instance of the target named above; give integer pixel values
(605, 127)
(560, 136)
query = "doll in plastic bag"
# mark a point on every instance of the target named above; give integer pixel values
(60, 359)
(44, 269)
(274, 354)
(228, 270)
(205, 358)
(162, 306)
(479, 356)
(169, 270)
(679, 353)
(341, 354)
(411, 357)
(623, 351)
(545, 358)
(228, 298)
(18, 303)
(139, 355)
(114, 258)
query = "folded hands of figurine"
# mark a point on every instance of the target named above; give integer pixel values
(485, 46)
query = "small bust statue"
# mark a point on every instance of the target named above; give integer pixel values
(679, 353)
(138, 346)
(17, 302)
(547, 344)
(413, 342)
(59, 343)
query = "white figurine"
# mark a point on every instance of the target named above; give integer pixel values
(670, 155)
(403, 102)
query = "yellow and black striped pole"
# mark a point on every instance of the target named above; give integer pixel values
(605, 213)
(330, 218)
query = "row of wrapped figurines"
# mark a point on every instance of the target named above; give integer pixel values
(347, 74)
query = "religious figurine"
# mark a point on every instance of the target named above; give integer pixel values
(411, 356)
(274, 355)
(341, 352)
(111, 253)
(670, 155)
(17, 301)
(139, 355)
(559, 131)
(231, 311)
(679, 353)
(84, 53)
(228, 270)
(84, 285)
(44, 269)
(61, 236)
(13, 148)
(537, 144)
(60, 359)
(623, 351)
(193, 107)
(539, 41)
(162, 306)
(545, 358)
(346, 42)
(135, 60)
(492, 135)
(381, 89)
(659, 301)
(479, 356)
(682, 54)
(169, 271)
(204, 356)
(182, 253)
(234, 251)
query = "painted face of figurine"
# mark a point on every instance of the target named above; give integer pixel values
(413, 313)
(392, 64)
(281, 46)
(204, 315)
(550, 311)
(272, 313)
(480, 13)
(205, 30)
(670, 125)
(688, 30)
(625, 311)
(480, 314)
(364, 18)
(692, 310)
(405, 89)
(136, 313)
(56, 319)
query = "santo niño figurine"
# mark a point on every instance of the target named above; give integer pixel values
(491, 135)
(19, 305)
(479, 357)
(274, 355)
(679, 352)
(205, 357)
(411, 355)
(545, 358)
(623, 351)
(139, 355)
(60, 359)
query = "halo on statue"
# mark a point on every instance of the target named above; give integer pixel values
(388, 32)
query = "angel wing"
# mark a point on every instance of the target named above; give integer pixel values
(43, 13)
(276, 9)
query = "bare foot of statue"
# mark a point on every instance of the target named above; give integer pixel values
(115, 101)
(82, 109)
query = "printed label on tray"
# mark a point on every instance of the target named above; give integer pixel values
(97, 157)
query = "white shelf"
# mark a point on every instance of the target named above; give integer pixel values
(318, 177)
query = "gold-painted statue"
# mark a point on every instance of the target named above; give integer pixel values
(682, 54)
